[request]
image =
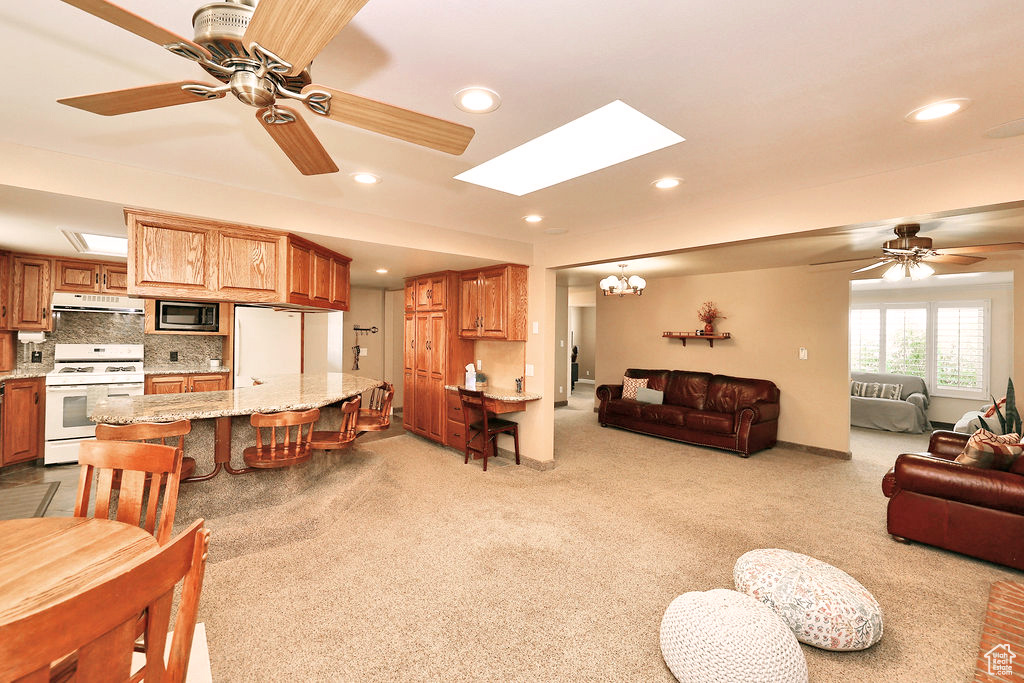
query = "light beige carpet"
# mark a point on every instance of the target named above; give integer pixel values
(397, 562)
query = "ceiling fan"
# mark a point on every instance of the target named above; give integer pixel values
(260, 51)
(909, 254)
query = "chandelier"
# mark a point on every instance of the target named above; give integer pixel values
(908, 265)
(621, 285)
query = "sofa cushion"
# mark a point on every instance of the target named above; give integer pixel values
(729, 394)
(707, 421)
(687, 389)
(991, 451)
(630, 385)
(645, 395)
(624, 406)
(891, 391)
(866, 389)
(655, 378)
(671, 415)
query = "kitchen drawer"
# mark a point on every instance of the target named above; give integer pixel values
(456, 437)
(454, 405)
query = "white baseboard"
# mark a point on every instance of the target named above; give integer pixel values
(584, 381)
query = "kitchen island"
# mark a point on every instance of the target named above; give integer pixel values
(220, 419)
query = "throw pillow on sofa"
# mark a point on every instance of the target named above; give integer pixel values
(865, 389)
(991, 451)
(891, 391)
(630, 385)
(645, 395)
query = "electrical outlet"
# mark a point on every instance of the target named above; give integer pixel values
(803, 353)
(561, 343)
(536, 327)
(561, 389)
(174, 356)
(479, 365)
(529, 370)
(363, 351)
(37, 356)
(588, 373)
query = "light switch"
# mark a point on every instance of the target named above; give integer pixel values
(561, 342)
(363, 351)
(536, 327)
(529, 370)
(561, 389)
(803, 353)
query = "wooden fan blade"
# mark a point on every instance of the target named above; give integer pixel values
(983, 248)
(872, 266)
(118, 16)
(295, 138)
(954, 258)
(296, 30)
(396, 122)
(845, 260)
(138, 99)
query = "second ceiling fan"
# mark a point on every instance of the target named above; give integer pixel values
(260, 51)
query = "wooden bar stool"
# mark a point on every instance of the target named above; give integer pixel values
(329, 440)
(376, 416)
(153, 431)
(485, 429)
(288, 451)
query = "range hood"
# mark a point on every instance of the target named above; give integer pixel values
(96, 303)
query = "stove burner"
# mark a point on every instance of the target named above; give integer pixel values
(82, 369)
(121, 368)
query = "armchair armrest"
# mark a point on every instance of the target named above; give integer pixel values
(919, 400)
(607, 392)
(992, 489)
(947, 444)
(762, 411)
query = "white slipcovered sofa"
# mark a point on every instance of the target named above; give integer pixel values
(908, 414)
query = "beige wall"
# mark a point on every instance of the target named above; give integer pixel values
(394, 342)
(561, 344)
(366, 309)
(770, 313)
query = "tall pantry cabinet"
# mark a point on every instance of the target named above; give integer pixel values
(434, 354)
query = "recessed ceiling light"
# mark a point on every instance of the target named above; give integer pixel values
(666, 183)
(382, 271)
(606, 136)
(938, 110)
(533, 218)
(477, 100)
(364, 178)
(555, 231)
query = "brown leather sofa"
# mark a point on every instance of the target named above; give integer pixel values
(733, 413)
(961, 508)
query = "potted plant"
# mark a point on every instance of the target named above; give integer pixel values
(1011, 423)
(708, 313)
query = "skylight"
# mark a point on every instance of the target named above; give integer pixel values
(606, 136)
(91, 243)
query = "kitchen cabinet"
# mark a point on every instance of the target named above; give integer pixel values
(95, 277)
(30, 295)
(6, 287)
(21, 422)
(195, 259)
(182, 384)
(434, 355)
(493, 303)
(430, 293)
(8, 351)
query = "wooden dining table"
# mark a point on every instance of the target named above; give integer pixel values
(46, 559)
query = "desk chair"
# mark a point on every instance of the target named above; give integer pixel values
(485, 429)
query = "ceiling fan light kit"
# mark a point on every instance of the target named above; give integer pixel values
(260, 51)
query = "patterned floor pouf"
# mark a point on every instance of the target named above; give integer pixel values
(825, 606)
(720, 636)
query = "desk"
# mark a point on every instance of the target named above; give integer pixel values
(46, 559)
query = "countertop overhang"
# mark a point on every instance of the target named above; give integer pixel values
(275, 394)
(500, 393)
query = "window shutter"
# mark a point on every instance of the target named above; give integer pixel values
(865, 339)
(960, 347)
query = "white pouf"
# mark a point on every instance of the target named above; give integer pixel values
(825, 606)
(722, 635)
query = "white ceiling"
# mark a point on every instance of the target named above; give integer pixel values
(769, 96)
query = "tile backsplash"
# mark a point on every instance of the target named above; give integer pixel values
(76, 327)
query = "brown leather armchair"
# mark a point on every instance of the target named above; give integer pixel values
(968, 510)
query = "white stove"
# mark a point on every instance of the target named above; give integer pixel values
(82, 375)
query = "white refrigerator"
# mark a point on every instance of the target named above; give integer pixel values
(267, 342)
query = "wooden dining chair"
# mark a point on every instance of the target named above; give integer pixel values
(90, 634)
(483, 428)
(145, 477)
(345, 434)
(376, 415)
(288, 451)
(152, 432)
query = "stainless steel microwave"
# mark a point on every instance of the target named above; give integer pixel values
(194, 316)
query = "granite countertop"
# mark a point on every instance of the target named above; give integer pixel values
(22, 373)
(282, 392)
(500, 393)
(174, 369)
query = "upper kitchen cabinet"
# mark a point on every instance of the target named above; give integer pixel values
(95, 277)
(191, 258)
(493, 303)
(317, 276)
(30, 295)
(6, 285)
(431, 292)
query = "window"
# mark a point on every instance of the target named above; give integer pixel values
(943, 343)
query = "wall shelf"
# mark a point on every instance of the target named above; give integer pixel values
(683, 336)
